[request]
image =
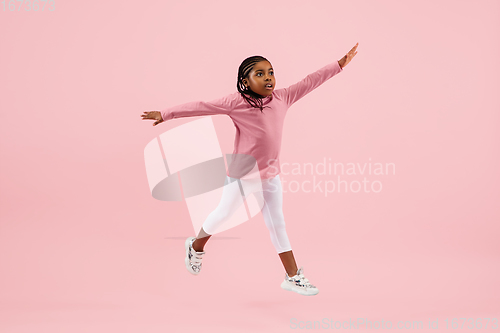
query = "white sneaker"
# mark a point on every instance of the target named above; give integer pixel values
(299, 284)
(193, 259)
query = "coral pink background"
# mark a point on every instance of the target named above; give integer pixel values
(85, 248)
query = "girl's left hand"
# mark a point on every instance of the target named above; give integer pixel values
(347, 58)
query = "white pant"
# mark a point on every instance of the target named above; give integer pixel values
(271, 194)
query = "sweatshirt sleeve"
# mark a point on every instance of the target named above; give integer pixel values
(298, 90)
(222, 105)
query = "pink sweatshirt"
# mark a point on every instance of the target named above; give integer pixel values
(258, 134)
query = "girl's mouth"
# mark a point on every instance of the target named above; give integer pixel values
(269, 86)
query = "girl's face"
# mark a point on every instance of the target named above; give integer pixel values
(259, 79)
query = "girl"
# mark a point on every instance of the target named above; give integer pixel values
(258, 135)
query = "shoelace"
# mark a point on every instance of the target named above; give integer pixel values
(196, 257)
(303, 281)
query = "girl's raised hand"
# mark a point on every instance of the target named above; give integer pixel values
(154, 115)
(347, 58)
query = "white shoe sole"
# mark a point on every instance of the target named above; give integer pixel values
(288, 287)
(186, 260)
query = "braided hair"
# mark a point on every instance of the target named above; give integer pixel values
(246, 67)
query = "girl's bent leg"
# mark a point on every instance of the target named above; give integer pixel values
(230, 201)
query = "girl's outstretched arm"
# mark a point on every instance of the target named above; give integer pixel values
(222, 105)
(298, 90)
